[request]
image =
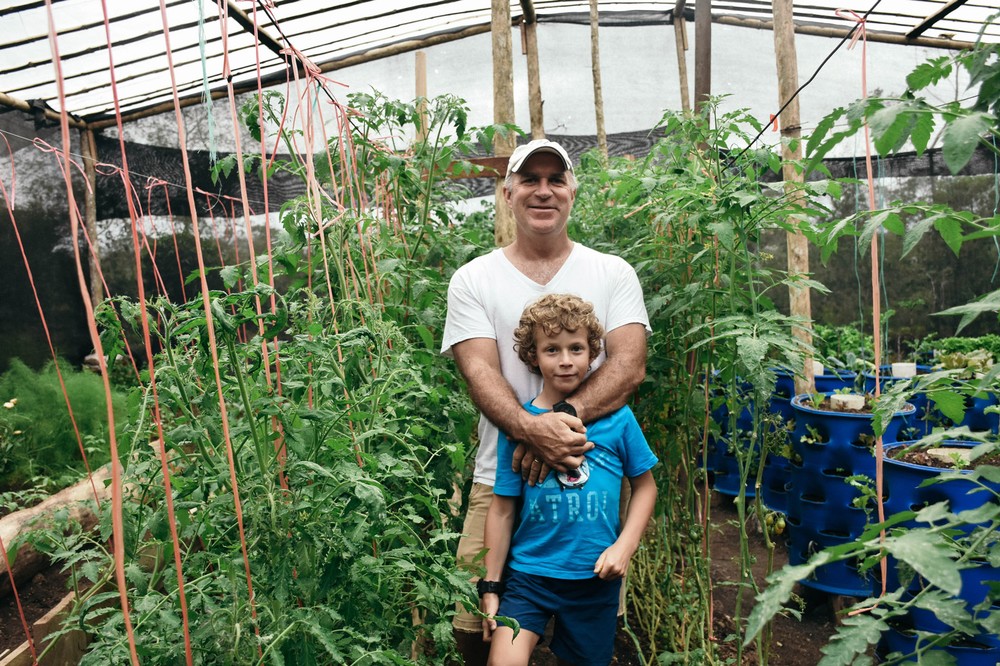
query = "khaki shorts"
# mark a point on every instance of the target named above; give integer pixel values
(472, 543)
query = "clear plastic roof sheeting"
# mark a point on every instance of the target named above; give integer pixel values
(209, 42)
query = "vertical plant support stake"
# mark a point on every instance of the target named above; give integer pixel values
(529, 45)
(503, 112)
(791, 152)
(681, 44)
(595, 65)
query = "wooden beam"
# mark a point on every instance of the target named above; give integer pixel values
(529, 31)
(247, 23)
(495, 167)
(528, 11)
(702, 52)
(872, 36)
(504, 229)
(595, 66)
(48, 114)
(786, 60)
(924, 25)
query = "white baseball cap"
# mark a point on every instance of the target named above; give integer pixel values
(523, 152)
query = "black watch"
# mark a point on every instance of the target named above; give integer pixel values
(564, 407)
(489, 586)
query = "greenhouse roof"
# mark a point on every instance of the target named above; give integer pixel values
(332, 34)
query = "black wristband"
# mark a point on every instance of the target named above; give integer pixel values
(564, 407)
(489, 586)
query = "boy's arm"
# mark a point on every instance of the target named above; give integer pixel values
(499, 526)
(613, 562)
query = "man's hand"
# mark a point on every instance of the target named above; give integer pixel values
(554, 441)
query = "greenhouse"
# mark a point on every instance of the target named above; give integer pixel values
(278, 277)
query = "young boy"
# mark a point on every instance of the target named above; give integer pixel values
(557, 546)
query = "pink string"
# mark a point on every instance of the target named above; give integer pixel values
(862, 34)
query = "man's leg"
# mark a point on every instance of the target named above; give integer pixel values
(468, 627)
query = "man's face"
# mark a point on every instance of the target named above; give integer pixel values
(541, 196)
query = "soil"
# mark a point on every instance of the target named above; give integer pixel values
(796, 643)
(44, 591)
(920, 457)
(826, 406)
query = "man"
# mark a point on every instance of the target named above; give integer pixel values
(485, 301)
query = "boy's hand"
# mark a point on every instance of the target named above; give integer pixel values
(489, 604)
(613, 562)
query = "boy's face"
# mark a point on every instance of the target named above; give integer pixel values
(562, 359)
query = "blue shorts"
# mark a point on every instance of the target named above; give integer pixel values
(586, 613)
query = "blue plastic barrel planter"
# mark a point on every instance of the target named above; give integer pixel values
(774, 482)
(833, 380)
(923, 418)
(965, 653)
(976, 417)
(828, 447)
(722, 460)
(975, 590)
(905, 490)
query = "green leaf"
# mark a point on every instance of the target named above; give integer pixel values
(855, 635)
(950, 228)
(929, 557)
(779, 590)
(969, 311)
(950, 610)
(890, 127)
(922, 130)
(960, 138)
(928, 73)
(950, 403)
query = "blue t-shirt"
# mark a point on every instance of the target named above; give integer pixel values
(567, 521)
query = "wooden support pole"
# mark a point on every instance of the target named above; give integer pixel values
(595, 64)
(88, 146)
(529, 33)
(504, 229)
(681, 45)
(420, 63)
(791, 152)
(702, 52)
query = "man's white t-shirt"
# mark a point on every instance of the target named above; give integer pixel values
(487, 296)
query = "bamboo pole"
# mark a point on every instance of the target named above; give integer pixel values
(681, 45)
(88, 146)
(595, 65)
(420, 63)
(791, 152)
(503, 112)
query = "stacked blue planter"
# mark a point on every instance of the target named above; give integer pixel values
(967, 653)
(976, 418)
(922, 421)
(777, 468)
(905, 489)
(721, 457)
(829, 447)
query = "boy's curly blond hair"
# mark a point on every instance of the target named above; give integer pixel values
(552, 314)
